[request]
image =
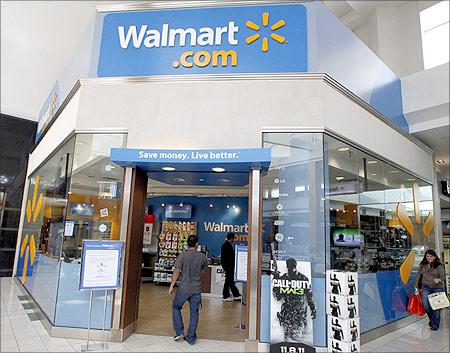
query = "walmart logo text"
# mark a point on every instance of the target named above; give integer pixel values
(166, 37)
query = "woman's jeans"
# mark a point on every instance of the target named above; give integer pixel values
(195, 301)
(434, 315)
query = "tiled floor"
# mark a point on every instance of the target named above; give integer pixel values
(21, 332)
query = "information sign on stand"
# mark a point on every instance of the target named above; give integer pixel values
(240, 268)
(100, 264)
(100, 270)
(240, 274)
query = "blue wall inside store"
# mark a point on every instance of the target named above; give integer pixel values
(201, 213)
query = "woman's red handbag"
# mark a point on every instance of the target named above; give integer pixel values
(415, 306)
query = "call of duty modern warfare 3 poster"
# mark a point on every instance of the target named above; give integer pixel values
(293, 307)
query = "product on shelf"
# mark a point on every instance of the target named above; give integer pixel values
(172, 242)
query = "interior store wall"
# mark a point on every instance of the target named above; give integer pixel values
(219, 215)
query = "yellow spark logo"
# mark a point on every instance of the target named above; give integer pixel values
(265, 40)
(28, 246)
(402, 215)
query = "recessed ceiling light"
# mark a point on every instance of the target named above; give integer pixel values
(372, 162)
(201, 179)
(393, 171)
(340, 178)
(180, 180)
(440, 161)
(218, 169)
(373, 174)
(223, 180)
(168, 169)
(411, 179)
(343, 149)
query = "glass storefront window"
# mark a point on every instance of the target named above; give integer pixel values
(75, 195)
(42, 235)
(93, 212)
(294, 227)
(365, 234)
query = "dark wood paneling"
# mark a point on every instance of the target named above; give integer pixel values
(133, 249)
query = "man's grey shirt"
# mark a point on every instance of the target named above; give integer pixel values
(191, 263)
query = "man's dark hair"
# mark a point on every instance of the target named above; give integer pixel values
(230, 236)
(192, 240)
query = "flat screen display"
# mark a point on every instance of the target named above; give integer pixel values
(81, 209)
(350, 237)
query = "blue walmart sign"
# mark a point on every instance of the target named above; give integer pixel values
(248, 39)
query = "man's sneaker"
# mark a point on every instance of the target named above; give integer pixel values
(237, 298)
(177, 338)
(229, 299)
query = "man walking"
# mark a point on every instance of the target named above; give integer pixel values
(227, 258)
(189, 265)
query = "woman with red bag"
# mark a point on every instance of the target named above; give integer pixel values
(432, 276)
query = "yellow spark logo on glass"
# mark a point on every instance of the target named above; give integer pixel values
(28, 246)
(403, 217)
(265, 41)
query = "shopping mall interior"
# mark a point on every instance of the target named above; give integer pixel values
(316, 132)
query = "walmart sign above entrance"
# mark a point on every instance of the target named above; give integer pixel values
(245, 39)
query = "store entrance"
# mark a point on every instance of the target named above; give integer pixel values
(210, 207)
(218, 184)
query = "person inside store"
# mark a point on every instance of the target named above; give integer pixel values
(188, 267)
(227, 259)
(430, 279)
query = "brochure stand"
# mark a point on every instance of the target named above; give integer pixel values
(100, 271)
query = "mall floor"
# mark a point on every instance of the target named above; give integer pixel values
(218, 319)
(22, 332)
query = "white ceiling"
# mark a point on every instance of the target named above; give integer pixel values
(37, 39)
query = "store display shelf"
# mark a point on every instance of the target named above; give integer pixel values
(164, 271)
(146, 279)
(147, 267)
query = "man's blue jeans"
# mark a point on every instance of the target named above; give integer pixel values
(195, 301)
(434, 315)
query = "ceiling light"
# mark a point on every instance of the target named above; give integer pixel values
(181, 204)
(228, 206)
(211, 205)
(373, 174)
(234, 206)
(393, 171)
(411, 179)
(343, 149)
(162, 205)
(372, 162)
(299, 188)
(218, 169)
(201, 179)
(440, 161)
(180, 180)
(168, 169)
(224, 180)
(340, 178)
(354, 211)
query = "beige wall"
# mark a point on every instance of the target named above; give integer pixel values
(224, 112)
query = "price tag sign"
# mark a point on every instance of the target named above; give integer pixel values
(100, 264)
